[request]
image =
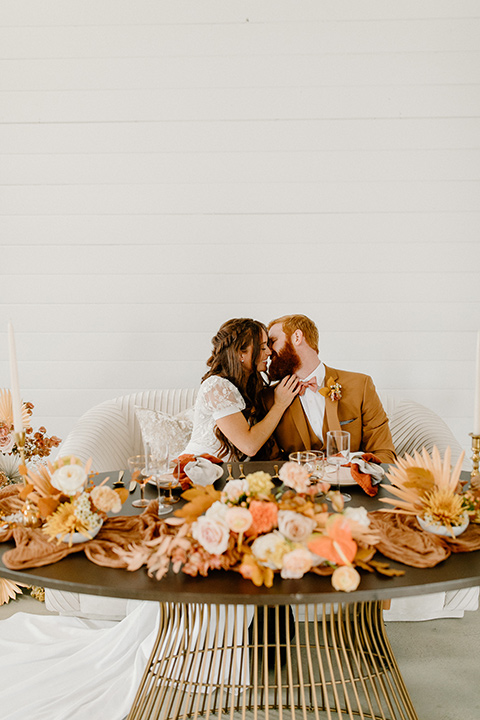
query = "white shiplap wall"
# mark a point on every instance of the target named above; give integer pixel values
(165, 166)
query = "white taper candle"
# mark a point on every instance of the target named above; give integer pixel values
(15, 388)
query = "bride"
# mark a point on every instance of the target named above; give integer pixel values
(230, 420)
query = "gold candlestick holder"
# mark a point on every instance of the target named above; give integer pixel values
(475, 455)
(20, 443)
(29, 511)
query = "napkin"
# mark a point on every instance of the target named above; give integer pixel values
(182, 461)
(366, 470)
(201, 471)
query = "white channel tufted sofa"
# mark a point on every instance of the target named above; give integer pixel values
(109, 433)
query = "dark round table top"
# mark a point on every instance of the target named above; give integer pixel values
(76, 573)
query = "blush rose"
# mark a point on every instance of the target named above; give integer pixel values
(213, 535)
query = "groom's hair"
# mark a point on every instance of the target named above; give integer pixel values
(290, 323)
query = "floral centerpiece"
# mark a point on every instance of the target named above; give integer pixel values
(427, 487)
(67, 502)
(257, 529)
(38, 444)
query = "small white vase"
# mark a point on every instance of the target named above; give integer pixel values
(76, 537)
(443, 530)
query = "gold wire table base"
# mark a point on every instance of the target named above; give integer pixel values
(228, 661)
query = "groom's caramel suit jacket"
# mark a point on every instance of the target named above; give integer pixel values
(359, 411)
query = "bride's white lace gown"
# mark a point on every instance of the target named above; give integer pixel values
(217, 398)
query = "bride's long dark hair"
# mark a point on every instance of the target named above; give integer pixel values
(234, 337)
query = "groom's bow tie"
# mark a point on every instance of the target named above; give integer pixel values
(308, 384)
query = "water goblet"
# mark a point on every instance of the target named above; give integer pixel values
(137, 466)
(338, 453)
(318, 469)
(171, 499)
(156, 468)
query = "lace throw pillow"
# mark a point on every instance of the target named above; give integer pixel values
(160, 429)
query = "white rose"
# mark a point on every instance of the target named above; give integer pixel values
(217, 511)
(69, 479)
(269, 550)
(295, 526)
(296, 564)
(234, 489)
(238, 519)
(212, 535)
(358, 515)
(345, 578)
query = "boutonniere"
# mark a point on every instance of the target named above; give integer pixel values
(332, 389)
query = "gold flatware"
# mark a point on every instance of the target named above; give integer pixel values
(118, 482)
(230, 476)
(242, 474)
(275, 467)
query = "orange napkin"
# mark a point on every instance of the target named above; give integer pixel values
(363, 479)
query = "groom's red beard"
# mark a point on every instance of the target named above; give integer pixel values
(284, 363)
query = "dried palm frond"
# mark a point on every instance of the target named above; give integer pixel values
(419, 481)
(6, 409)
(9, 590)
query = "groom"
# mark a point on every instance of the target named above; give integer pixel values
(329, 399)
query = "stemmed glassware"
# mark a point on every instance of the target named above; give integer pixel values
(338, 453)
(305, 458)
(137, 467)
(157, 468)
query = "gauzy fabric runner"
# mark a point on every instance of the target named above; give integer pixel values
(34, 549)
(402, 539)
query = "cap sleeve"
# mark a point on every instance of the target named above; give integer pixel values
(222, 397)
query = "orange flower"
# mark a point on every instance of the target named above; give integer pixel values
(337, 546)
(264, 516)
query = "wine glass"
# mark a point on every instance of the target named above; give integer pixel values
(318, 464)
(156, 468)
(338, 453)
(305, 458)
(137, 466)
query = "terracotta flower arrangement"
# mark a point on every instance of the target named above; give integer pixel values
(257, 529)
(427, 487)
(66, 501)
(38, 445)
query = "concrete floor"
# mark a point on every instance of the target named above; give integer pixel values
(439, 661)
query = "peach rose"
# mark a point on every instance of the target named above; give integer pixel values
(295, 526)
(212, 535)
(295, 476)
(105, 499)
(238, 519)
(296, 563)
(345, 578)
(6, 439)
